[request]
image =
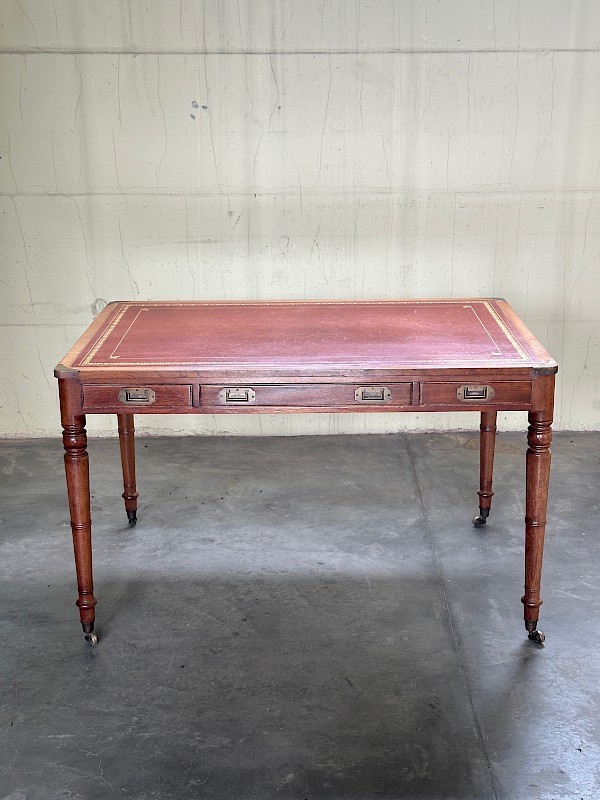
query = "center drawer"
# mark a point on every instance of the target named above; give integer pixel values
(306, 395)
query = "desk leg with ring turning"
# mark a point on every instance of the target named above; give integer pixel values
(487, 442)
(539, 437)
(78, 488)
(127, 444)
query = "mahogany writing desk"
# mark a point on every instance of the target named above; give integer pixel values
(272, 357)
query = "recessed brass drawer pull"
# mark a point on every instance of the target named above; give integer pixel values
(474, 394)
(137, 396)
(372, 394)
(237, 395)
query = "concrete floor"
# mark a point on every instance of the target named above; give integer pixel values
(300, 618)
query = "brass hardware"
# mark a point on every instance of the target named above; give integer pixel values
(474, 394)
(372, 394)
(237, 395)
(137, 396)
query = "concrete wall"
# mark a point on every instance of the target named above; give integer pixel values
(316, 149)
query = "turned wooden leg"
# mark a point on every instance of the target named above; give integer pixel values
(539, 438)
(487, 442)
(127, 443)
(78, 488)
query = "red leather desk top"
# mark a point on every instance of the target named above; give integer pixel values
(411, 334)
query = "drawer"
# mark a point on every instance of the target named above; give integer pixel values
(137, 397)
(470, 394)
(307, 396)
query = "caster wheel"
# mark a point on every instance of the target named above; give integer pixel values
(539, 637)
(478, 521)
(132, 517)
(92, 638)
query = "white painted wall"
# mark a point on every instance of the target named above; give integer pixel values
(315, 149)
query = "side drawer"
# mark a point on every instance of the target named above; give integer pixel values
(470, 394)
(137, 398)
(306, 396)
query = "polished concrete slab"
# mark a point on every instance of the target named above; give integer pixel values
(300, 618)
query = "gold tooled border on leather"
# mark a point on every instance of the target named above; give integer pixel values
(87, 360)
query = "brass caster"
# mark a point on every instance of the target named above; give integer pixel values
(92, 638)
(481, 518)
(539, 637)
